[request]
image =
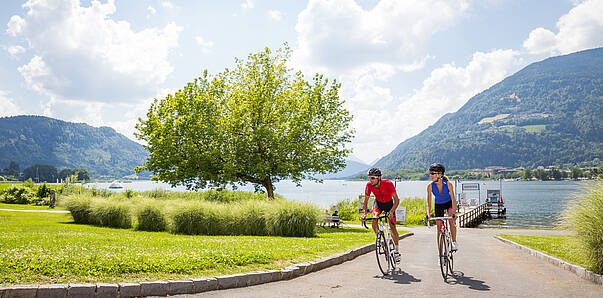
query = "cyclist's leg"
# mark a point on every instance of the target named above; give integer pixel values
(395, 235)
(451, 224)
(439, 212)
(375, 213)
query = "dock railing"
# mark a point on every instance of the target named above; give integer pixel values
(472, 217)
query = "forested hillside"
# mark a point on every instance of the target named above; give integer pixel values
(29, 140)
(549, 113)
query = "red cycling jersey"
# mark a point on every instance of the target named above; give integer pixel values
(383, 193)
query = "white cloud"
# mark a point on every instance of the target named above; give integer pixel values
(248, 4)
(275, 15)
(444, 91)
(167, 4)
(152, 11)
(206, 45)
(82, 54)
(339, 36)
(7, 106)
(581, 28)
(15, 50)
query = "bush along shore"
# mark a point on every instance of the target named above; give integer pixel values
(207, 213)
(415, 210)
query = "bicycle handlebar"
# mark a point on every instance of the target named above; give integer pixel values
(379, 217)
(438, 218)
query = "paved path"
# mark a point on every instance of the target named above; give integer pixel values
(484, 266)
(47, 211)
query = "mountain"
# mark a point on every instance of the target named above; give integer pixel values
(548, 113)
(353, 167)
(102, 151)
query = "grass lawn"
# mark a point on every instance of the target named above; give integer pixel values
(45, 248)
(562, 247)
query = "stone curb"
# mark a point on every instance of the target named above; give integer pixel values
(191, 286)
(579, 271)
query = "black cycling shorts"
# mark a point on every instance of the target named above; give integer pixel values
(384, 207)
(440, 208)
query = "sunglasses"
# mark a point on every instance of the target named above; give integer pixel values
(373, 178)
(434, 173)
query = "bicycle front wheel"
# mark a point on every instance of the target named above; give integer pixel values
(443, 255)
(382, 250)
(450, 257)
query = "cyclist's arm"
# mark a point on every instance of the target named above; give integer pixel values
(366, 198)
(428, 199)
(396, 202)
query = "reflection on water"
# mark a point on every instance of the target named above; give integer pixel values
(529, 203)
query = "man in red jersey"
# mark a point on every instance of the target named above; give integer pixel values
(384, 191)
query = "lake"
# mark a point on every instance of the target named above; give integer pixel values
(530, 204)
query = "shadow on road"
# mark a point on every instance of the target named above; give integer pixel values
(400, 277)
(458, 277)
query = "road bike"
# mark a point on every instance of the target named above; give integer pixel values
(445, 252)
(385, 248)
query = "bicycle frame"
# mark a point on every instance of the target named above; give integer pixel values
(445, 246)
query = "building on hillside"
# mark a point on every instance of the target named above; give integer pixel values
(493, 170)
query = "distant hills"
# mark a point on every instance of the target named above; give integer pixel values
(548, 113)
(102, 151)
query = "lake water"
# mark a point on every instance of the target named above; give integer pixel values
(530, 204)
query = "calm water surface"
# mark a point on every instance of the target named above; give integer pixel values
(530, 204)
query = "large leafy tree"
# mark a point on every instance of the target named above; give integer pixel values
(259, 122)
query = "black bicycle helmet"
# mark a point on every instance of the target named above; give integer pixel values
(436, 167)
(374, 172)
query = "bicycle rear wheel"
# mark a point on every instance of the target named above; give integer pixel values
(443, 255)
(382, 251)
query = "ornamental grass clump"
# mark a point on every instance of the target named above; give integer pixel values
(199, 218)
(585, 217)
(249, 218)
(292, 219)
(80, 209)
(112, 214)
(151, 218)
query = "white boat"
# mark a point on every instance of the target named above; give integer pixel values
(115, 185)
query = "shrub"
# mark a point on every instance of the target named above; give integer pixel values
(17, 195)
(81, 209)
(585, 216)
(128, 193)
(151, 218)
(43, 191)
(292, 219)
(29, 183)
(112, 214)
(348, 209)
(45, 201)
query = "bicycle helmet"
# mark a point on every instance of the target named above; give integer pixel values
(436, 167)
(374, 172)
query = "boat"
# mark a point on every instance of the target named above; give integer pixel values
(115, 185)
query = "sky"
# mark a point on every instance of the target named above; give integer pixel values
(402, 63)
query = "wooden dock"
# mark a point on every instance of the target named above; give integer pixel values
(473, 216)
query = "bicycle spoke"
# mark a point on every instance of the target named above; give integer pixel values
(443, 256)
(382, 251)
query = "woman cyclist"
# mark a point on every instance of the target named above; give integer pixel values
(442, 189)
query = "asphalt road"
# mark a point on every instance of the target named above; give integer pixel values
(484, 266)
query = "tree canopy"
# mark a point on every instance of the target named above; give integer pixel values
(259, 122)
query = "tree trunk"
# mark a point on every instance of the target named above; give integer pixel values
(267, 183)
